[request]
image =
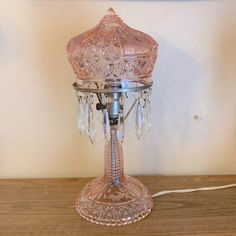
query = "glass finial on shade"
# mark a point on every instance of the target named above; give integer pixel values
(110, 11)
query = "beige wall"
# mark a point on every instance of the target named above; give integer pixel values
(194, 93)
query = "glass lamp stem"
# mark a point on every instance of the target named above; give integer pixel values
(114, 171)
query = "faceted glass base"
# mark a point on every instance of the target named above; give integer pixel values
(106, 203)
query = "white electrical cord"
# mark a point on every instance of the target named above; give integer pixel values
(193, 190)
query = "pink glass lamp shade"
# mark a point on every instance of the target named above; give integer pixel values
(112, 53)
(113, 61)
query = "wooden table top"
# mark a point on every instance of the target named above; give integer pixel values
(46, 207)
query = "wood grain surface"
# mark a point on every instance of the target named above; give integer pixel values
(46, 207)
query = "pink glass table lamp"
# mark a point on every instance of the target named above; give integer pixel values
(113, 62)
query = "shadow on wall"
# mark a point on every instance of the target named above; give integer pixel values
(9, 41)
(223, 92)
(178, 83)
(7, 49)
(6, 45)
(179, 86)
(3, 47)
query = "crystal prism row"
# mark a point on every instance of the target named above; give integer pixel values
(85, 115)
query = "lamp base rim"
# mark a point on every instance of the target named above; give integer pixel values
(104, 204)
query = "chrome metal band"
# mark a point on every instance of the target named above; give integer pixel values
(112, 90)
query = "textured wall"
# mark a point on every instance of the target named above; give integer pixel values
(194, 94)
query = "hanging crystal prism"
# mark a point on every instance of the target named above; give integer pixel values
(149, 93)
(80, 112)
(86, 111)
(105, 118)
(90, 125)
(121, 125)
(106, 125)
(139, 119)
(146, 118)
(146, 111)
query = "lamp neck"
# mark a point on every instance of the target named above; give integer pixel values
(113, 155)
